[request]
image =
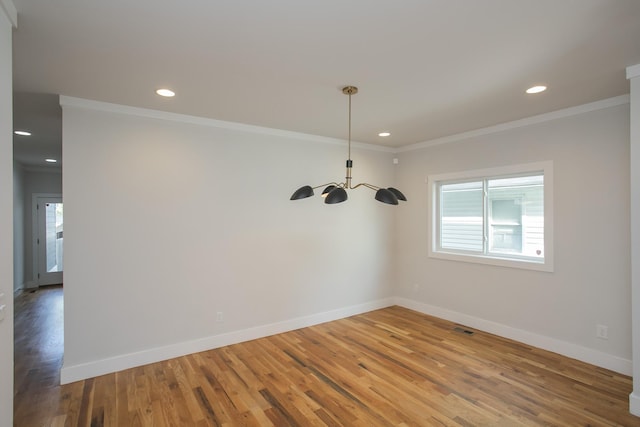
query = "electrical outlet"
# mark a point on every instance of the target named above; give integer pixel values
(219, 316)
(602, 332)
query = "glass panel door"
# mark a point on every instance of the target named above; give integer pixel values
(54, 225)
(50, 240)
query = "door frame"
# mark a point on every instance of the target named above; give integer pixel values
(35, 231)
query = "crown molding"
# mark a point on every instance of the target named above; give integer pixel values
(68, 101)
(541, 118)
(10, 11)
(633, 71)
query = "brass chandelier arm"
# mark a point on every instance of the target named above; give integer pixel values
(348, 187)
(341, 185)
(364, 184)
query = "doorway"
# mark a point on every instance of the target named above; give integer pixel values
(48, 239)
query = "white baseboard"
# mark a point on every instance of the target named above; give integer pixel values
(634, 404)
(26, 286)
(30, 285)
(77, 372)
(71, 373)
(594, 357)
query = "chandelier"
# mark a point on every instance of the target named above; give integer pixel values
(337, 192)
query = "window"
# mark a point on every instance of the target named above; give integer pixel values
(498, 216)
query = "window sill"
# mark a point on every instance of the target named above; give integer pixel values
(523, 264)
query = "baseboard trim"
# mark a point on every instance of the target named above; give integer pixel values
(81, 371)
(634, 404)
(30, 285)
(594, 357)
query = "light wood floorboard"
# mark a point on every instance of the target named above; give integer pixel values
(390, 367)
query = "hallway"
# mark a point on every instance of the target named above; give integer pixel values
(39, 346)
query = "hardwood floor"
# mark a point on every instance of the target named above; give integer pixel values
(387, 367)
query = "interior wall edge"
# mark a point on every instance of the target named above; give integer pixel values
(634, 404)
(633, 74)
(10, 12)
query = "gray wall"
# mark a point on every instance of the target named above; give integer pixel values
(188, 219)
(19, 219)
(633, 74)
(8, 18)
(591, 281)
(169, 222)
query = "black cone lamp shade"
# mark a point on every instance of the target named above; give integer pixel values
(337, 192)
(302, 193)
(327, 190)
(385, 196)
(397, 193)
(337, 195)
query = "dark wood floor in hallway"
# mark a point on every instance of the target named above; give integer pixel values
(383, 368)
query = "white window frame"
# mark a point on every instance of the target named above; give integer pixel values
(545, 264)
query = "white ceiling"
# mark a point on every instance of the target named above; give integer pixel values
(425, 68)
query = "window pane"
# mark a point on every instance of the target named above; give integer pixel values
(505, 226)
(461, 216)
(494, 216)
(521, 181)
(516, 215)
(54, 229)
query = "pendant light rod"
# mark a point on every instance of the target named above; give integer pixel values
(349, 90)
(336, 192)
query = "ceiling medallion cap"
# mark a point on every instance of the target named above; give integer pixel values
(349, 90)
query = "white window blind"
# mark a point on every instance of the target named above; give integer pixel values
(499, 216)
(461, 216)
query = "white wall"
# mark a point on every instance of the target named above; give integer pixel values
(169, 222)
(633, 74)
(591, 281)
(187, 218)
(18, 227)
(8, 19)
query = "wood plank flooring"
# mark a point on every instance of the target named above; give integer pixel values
(383, 368)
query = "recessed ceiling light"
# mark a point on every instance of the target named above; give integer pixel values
(168, 93)
(536, 89)
(51, 160)
(384, 134)
(22, 132)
